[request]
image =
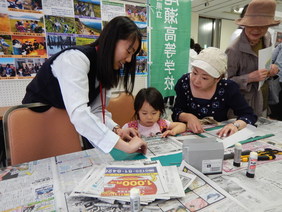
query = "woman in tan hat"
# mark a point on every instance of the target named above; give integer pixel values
(204, 93)
(243, 53)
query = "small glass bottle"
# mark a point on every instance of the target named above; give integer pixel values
(252, 164)
(135, 200)
(237, 155)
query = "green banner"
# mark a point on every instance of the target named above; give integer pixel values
(169, 43)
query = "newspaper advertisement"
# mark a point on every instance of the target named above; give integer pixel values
(113, 182)
(30, 188)
(119, 180)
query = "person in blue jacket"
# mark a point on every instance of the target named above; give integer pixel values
(276, 111)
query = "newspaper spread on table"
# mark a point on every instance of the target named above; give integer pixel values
(161, 146)
(46, 185)
(30, 188)
(201, 194)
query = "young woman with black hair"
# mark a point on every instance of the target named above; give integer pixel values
(79, 79)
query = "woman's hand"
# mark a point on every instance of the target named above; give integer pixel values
(127, 134)
(227, 130)
(193, 123)
(136, 144)
(231, 128)
(258, 75)
(273, 70)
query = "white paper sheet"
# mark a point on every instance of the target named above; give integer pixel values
(264, 61)
(241, 135)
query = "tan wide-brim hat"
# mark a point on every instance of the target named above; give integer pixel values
(259, 13)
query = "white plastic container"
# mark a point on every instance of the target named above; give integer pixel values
(135, 200)
(237, 155)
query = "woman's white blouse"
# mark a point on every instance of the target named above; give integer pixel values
(71, 69)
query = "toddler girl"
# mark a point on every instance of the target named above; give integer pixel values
(149, 107)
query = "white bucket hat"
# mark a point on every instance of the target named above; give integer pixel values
(212, 60)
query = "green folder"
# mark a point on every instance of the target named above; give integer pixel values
(169, 160)
(119, 155)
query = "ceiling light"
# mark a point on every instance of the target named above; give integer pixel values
(237, 9)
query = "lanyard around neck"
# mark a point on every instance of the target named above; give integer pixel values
(103, 102)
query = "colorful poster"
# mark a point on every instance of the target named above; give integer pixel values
(33, 30)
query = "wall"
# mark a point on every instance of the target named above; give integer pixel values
(140, 82)
(12, 91)
(227, 28)
(194, 26)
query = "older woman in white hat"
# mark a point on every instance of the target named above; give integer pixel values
(204, 93)
(243, 53)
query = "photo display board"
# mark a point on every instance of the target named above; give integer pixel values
(33, 30)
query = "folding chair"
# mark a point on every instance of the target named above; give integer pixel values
(122, 108)
(31, 135)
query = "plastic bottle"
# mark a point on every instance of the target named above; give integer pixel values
(135, 200)
(252, 164)
(237, 155)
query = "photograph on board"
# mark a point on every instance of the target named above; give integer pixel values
(22, 23)
(136, 13)
(7, 67)
(28, 67)
(5, 45)
(56, 43)
(84, 41)
(4, 23)
(90, 27)
(33, 5)
(29, 45)
(141, 65)
(143, 28)
(56, 24)
(87, 9)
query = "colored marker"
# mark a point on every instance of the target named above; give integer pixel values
(252, 165)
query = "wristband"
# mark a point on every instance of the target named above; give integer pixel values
(236, 125)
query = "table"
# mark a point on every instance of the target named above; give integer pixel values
(45, 184)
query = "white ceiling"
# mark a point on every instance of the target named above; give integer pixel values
(220, 8)
(223, 8)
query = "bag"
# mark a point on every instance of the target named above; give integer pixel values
(274, 90)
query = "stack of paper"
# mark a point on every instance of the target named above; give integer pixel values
(114, 182)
